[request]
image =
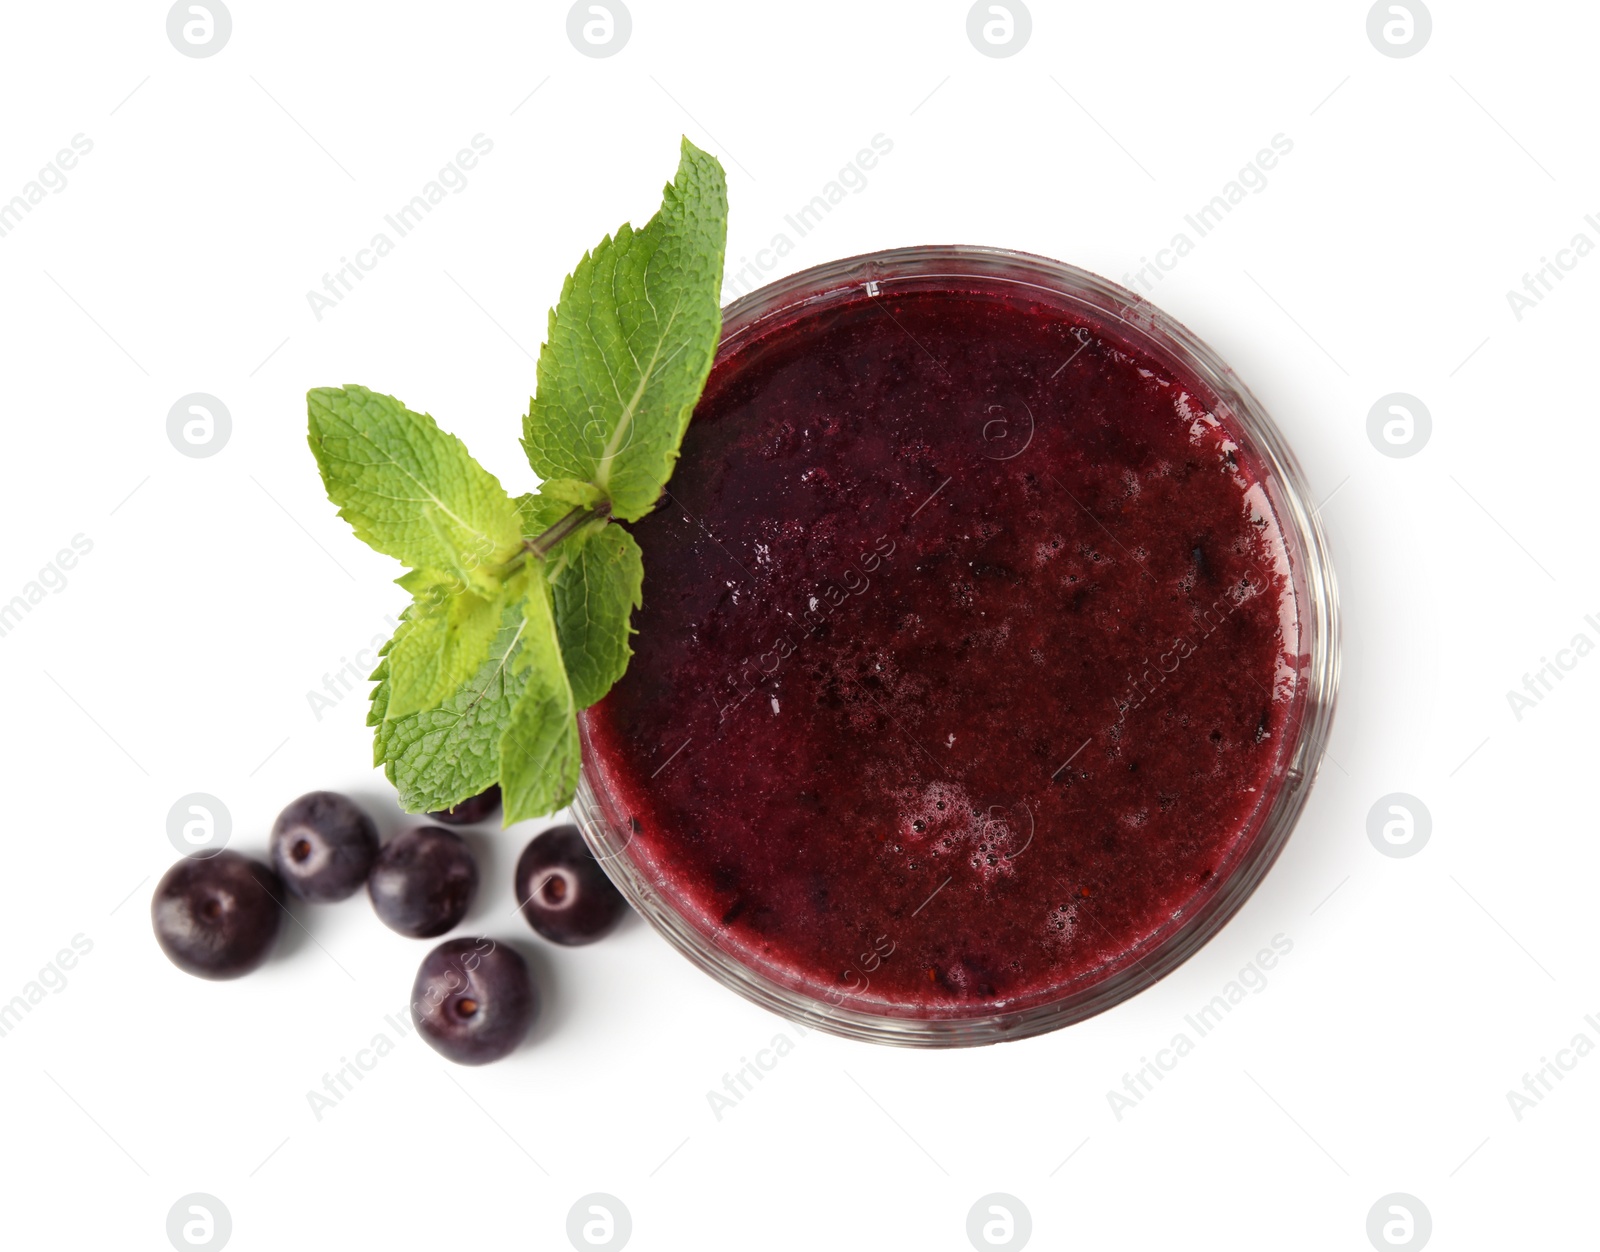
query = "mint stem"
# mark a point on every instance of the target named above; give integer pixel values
(579, 517)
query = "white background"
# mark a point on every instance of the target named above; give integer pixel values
(219, 591)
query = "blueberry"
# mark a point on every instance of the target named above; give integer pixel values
(480, 806)
(323, 846)
(217, 916)
(473, 1000)
(564, 893)
(423, 882)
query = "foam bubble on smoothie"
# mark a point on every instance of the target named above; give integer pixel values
(1047, 550)
(1061, 924)
(934, 813)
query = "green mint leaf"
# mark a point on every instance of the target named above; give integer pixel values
(537, 514)
(539, 749)
(595, 594)
(630, 344)
(442, 756)
(576, 495)
(423, 583)
(444, 639)
(409, 489)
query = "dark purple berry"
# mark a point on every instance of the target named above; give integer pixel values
(473, 1000)
(423, 882)
(470, 811)
(217, 916)
(562, 890)
(323, 846)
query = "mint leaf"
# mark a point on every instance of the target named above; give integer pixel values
(537, 514)
(427, 583)
(595, 594)
(630, 344)
(442, 756)
(575, 494)
(444, 639)
(409, 489)
(539, 750)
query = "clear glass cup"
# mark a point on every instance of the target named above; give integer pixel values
(1311, 713)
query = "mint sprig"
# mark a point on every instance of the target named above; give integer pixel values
(521, 610)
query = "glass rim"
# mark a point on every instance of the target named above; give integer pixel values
(1316, 598)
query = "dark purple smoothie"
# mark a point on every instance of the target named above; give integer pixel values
(967, 659)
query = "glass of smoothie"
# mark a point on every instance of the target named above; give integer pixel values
(988, 652)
